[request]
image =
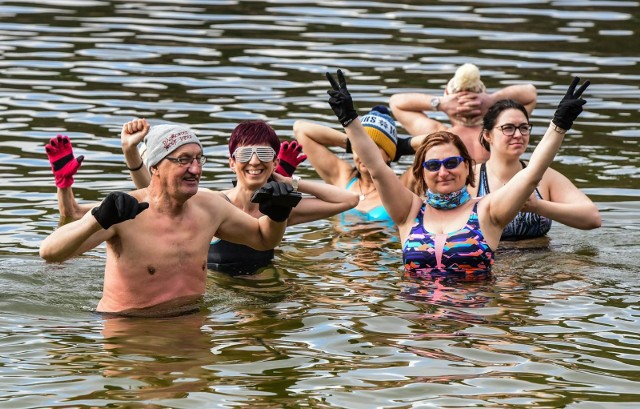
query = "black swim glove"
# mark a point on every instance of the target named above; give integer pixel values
(116, 208)
(276, 199)
(570, 106)
(340, 99)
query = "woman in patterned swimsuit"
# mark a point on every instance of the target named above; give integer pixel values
(448, 234)
(505, 133)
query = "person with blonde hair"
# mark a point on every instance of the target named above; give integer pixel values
(465, 101)
(446, 234)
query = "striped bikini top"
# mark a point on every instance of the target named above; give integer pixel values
(461, 255)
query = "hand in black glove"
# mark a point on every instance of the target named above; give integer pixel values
(570, 106)
(340, 100)
(116, 208)
(276, 200)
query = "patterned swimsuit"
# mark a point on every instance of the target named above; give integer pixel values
(526, 225)
(462, 255)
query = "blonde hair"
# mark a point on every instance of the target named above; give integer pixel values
(466, 78)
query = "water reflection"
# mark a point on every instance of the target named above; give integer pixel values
(328, 324)
(157, 358)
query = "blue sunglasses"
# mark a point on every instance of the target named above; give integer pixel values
(452, 162)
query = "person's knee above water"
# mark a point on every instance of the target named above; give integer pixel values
(448, 234)
(318, 142)
(158, 237)
(506, 133)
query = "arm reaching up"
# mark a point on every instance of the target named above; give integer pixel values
(63, 163)
(133, 132)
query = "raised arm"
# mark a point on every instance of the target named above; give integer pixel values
(397, 199)
(327, 200)
(133, 132)
(64, 166)
(92, 229)
(507, 201)
(316, 140)
(409, 109)
(526, 94)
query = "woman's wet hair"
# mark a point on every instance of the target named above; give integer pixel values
(435, 139)
(256, 132)
(491, 117)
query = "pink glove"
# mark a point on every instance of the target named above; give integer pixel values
(290, 156)
(63, 163)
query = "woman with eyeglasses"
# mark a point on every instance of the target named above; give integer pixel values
(446, 234)
(505, 133)
(465, 100)
(252, 147)
(252, 157)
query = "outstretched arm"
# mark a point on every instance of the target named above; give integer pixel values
(328, 200)
(92, 229)
(133, 132)
(397, 199)
(316, 140)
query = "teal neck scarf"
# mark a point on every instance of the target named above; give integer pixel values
(448, 200)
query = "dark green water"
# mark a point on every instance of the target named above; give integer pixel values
(327, 326)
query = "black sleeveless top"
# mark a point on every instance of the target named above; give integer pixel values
(232, 258)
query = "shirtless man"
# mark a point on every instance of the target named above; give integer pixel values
(465, 101)
(158, 237)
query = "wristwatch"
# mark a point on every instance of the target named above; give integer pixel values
(435, 103)
(294, 182)
(558, 129)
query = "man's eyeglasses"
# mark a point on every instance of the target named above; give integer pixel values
(510, 129)
(244, 153)
(452, 162)
(187, 160)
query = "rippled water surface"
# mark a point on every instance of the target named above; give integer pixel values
(326, 326)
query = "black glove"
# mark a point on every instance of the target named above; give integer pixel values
(404, 148)
(276, 200)
(116, 208)
(570, 106)
(340, 100)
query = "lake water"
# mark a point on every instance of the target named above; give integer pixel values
(327, 326)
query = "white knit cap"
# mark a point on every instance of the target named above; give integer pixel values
(164, 139)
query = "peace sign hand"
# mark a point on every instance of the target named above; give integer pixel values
(571, 105)
(340, 99)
